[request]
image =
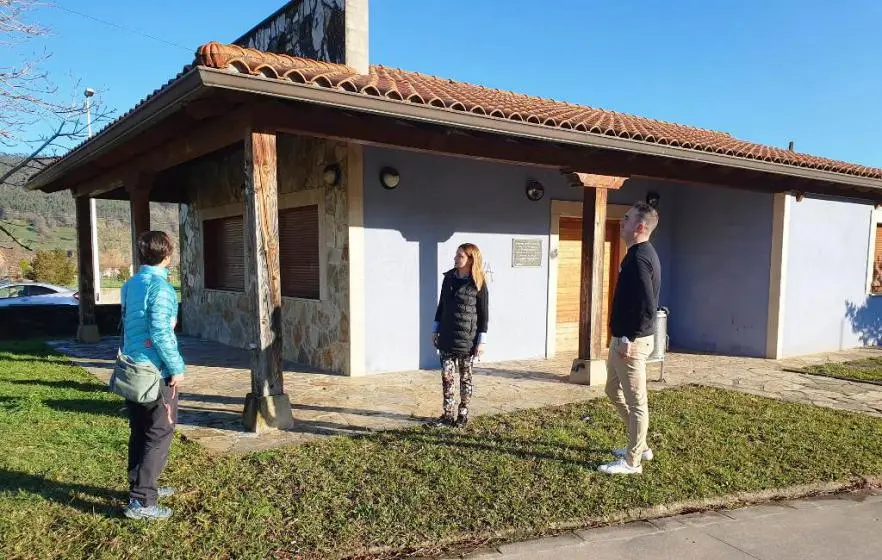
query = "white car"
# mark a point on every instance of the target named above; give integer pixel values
(36, 293)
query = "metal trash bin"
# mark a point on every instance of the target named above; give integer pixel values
(661, 340)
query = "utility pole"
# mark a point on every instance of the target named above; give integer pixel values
(96, 269)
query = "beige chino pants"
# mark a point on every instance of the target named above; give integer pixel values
(626, 388)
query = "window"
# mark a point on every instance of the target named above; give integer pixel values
(12, 292)
(876, 278)
(40, 291)
(224, 253)
(299, 263)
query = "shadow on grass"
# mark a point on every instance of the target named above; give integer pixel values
(582, 456)
(85, 498)
(83, 386)
(88, 406)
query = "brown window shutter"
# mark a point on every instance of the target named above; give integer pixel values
(876, 286)
(224, 253)
(299, 252)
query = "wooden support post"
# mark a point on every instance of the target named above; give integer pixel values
(139, 206)
(589, 367)
(593, 230)
(88, 329)
(266, 406)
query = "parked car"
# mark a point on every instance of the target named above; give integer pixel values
(36, 293)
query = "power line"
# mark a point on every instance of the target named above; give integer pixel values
(124, 28)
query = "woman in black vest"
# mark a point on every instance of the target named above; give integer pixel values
(460, 328)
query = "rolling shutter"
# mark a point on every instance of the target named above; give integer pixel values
(224, 253)
(299, 252)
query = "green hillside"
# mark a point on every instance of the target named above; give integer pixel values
(47, 221)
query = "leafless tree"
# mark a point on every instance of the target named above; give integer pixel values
(30, 100)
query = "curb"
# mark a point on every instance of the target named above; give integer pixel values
(564, 534)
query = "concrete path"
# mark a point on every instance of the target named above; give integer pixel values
(846, 526)
(218, 378)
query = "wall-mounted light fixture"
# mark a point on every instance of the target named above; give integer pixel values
(331, 174)
(652, 199)
(389, 178)
(534, 191)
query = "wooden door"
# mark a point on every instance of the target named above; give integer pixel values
(569, 271)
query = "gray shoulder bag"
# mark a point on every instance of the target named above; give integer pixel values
(132, 381)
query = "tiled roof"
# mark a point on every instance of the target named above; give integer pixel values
(412, 87)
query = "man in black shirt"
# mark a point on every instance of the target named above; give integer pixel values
(632, 326)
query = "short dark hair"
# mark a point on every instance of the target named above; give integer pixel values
(154, 247)
(647, 214)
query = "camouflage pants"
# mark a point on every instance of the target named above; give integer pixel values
(449, 364)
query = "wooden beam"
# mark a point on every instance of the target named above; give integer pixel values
(139, 207)
(376, 130)
(591, 180)
(267, 406)
(88, 328)
(210, 137)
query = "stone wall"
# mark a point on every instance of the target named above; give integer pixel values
(306, 28)
(316, 332)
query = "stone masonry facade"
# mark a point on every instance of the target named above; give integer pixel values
(315, 332)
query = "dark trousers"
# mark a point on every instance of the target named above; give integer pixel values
(152, 427)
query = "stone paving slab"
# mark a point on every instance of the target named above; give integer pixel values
(218, 378)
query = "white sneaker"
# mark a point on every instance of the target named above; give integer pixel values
(621, 452)
(620, 467)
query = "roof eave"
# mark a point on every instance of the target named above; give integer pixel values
(437, 115)
(155, 108)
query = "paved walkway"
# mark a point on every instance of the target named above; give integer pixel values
(218, 379)
(827, 528)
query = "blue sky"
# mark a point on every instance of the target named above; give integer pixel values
(772, 71)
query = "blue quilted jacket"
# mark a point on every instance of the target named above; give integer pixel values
(150, 309)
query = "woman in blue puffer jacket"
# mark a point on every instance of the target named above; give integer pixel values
(150, 310)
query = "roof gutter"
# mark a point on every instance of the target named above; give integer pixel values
(436, 115)
(154, 109)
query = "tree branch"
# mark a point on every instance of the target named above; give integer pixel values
(13, 237)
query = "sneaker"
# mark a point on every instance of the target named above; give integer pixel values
(153, 513)
(620, 467)
(621, 452)
(165, 492)
(461, 421)
(440, 422)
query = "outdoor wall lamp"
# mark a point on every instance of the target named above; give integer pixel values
(534, 191)
(389, 178)
(652, 198)
(331, 174)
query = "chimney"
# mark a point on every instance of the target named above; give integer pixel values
(791, 146)
(338, 32)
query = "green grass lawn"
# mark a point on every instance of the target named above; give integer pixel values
(62, 473)
(869, 369)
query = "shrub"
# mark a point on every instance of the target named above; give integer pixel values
(54, 267)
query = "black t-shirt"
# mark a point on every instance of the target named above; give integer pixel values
(635, 300)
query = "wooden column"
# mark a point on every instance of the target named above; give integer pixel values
(589, 367)
(590, 304)
(139, 208)
(88, 328)
(266, 407)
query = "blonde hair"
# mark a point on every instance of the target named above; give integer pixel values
(477, 261)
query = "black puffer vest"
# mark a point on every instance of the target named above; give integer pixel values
(459, 314)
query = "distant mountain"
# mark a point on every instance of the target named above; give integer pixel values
(47, 221)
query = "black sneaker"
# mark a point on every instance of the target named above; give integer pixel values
(440, 422)
(461, 421)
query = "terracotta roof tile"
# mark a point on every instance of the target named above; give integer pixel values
(413, 87)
